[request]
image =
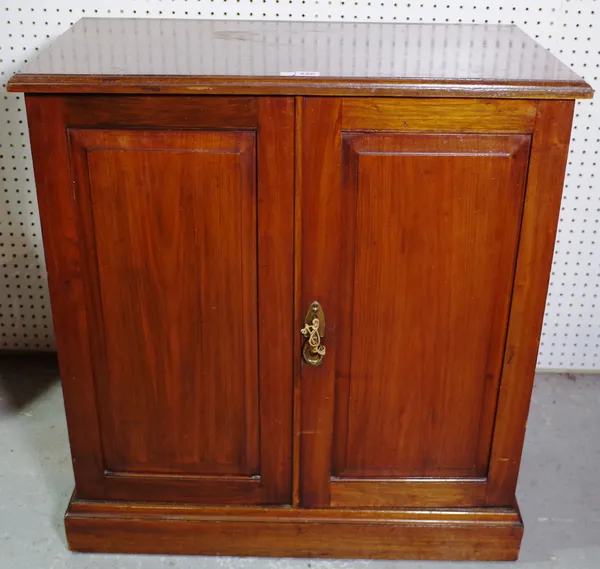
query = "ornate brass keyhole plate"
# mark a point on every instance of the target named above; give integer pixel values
(313, 351)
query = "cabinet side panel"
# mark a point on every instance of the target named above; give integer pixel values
(534, 259)
(59, 216)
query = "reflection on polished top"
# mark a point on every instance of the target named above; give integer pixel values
(184, 56)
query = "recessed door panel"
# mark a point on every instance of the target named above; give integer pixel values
(428, 273)
(176, 258)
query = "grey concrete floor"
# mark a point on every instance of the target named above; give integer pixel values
(559, 487)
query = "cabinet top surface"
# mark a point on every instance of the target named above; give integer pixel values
(110, 55)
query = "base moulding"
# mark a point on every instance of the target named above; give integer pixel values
(452, 534)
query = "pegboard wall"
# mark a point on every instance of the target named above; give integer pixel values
(569, 28)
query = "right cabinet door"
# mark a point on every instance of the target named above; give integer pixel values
(409, 243)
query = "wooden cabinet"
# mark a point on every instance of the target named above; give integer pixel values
(195, 222)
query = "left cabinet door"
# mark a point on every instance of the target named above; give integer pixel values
(168, 233)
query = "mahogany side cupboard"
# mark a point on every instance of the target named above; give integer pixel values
(298, 274)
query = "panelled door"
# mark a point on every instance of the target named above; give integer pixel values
(410, 224)
(182, 210)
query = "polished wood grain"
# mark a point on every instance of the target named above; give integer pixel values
(176, 255)
(503, 516)
(60, 229)
(256, 57)
(318, 258)
(475, 534)
(545, 178)
(168, 217)
(408, 493)
(168, 221)
(298, 308)
(275, 169)
(223, 113)
(431, 232)
(195, 489)
(438, 115)
(424, 231)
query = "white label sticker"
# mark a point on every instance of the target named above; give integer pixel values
(299, 73)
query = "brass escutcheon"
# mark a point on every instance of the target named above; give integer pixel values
(313, 351)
